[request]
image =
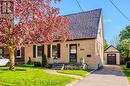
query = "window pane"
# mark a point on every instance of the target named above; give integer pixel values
(39, 50)
(18, 53)
(7, 7)
(3, 7)
(0, 52)
(73, 49)
(54, 51)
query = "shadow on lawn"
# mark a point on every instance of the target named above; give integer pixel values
(17, 69)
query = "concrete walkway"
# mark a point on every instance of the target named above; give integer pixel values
(55, 72)
(108, 76)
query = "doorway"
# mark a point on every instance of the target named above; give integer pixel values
(73, 53)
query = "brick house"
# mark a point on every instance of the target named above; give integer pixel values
(88, 33)
(87, 30)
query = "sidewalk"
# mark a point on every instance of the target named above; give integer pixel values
(55, 72)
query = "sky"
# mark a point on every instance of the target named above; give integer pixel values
(114, 22)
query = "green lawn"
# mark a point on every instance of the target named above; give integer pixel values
(126, 71)
(75, 72)
(29, 76)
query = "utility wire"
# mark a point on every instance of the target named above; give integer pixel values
(119, 11)
(79, 5)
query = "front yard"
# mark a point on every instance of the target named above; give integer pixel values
(126, 71)
(29, 76)
(75, 72)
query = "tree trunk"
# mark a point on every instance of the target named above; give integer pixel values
(12, 58)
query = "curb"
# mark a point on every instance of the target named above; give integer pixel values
(72, 83)
(91, 72)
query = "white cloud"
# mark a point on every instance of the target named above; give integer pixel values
(107, 20)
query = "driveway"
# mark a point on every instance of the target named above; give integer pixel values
(110, 75)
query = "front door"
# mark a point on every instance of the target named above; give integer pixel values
(73, 53)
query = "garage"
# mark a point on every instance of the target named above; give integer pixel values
(112, 56)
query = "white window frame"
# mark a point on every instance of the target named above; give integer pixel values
(20, 54)
(36, 50)
(51, 49)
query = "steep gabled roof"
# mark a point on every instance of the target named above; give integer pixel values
(84, 25)
(114, 49)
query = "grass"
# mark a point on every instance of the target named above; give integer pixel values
(126, 71)
(30, 76)
(75, 72)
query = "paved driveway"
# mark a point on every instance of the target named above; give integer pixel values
(108, 76)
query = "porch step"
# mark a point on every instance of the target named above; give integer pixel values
(19, 63)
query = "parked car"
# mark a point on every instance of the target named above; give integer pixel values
(4, 61)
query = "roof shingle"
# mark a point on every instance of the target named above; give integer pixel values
(85, 24)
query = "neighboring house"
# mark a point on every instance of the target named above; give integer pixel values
(88, 33)
(19, 54)
(6, 7)
(112, 56)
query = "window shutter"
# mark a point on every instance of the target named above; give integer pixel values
(58, 50)
(23, 52)
(42, 49)
(34, 51)
(48, 51)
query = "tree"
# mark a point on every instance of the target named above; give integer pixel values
(125, 34)
(36, 22)
(115, 41)
(105, 44)
(123, 47)
(124, 44)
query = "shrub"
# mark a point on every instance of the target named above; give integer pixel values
(48, 66)
(37, 64)
(128, 64)
(44, 61)
(28, 65)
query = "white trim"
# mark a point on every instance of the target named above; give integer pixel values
(20, 54)
(51, 49)
(36, 50)
(68, 53)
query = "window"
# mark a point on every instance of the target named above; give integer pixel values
(1, 52)
(18, 53)
(39, 51)
(6, 7)
(54, 51)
